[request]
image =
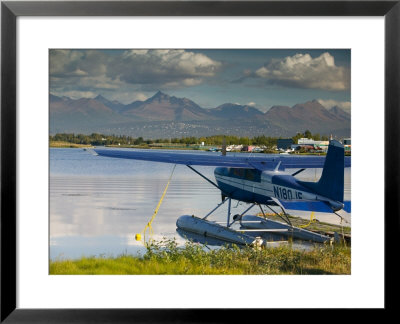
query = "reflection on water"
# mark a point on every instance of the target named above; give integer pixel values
(98, 204)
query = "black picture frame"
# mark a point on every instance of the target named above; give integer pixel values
(10, 10)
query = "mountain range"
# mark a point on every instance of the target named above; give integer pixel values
(163, 116)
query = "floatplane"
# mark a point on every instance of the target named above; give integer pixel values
(258, 181)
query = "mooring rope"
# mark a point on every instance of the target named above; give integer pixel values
(138, 236)
(312, 220)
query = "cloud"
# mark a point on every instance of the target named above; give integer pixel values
(130, 70)
(127, 96)
(67, 63)
(303, 71)
(164, 68)
(345, 105)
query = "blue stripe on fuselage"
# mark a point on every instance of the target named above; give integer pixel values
(237, 188)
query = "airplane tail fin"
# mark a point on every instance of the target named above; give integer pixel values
(331, 183)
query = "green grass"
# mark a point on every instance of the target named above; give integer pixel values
(166, 257)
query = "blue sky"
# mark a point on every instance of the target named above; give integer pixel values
(260, 78)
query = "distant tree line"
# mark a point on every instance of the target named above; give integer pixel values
(101, 139)
(95, 139)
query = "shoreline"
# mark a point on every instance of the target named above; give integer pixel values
(57, 144)
(62, 144)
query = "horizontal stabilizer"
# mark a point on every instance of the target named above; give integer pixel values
(314, 206)
(347, 206)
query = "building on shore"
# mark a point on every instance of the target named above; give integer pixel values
(316, 145)
(347, 144)
(308, 144)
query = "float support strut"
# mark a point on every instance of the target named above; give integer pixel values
(229, 212)
(219, 205)
(241, 215)
(287, 220)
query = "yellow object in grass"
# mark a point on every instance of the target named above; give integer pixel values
(312, 220)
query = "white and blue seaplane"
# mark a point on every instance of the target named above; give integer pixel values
(258, 181)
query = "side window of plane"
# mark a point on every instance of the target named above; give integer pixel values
(250, 175)
(239, 172)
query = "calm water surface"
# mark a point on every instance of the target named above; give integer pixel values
(98, 204)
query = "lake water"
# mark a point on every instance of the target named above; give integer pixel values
(98, 204)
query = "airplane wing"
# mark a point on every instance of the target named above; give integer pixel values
(240, 160)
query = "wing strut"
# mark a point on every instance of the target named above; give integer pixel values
(297, 172)
(204, 177)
